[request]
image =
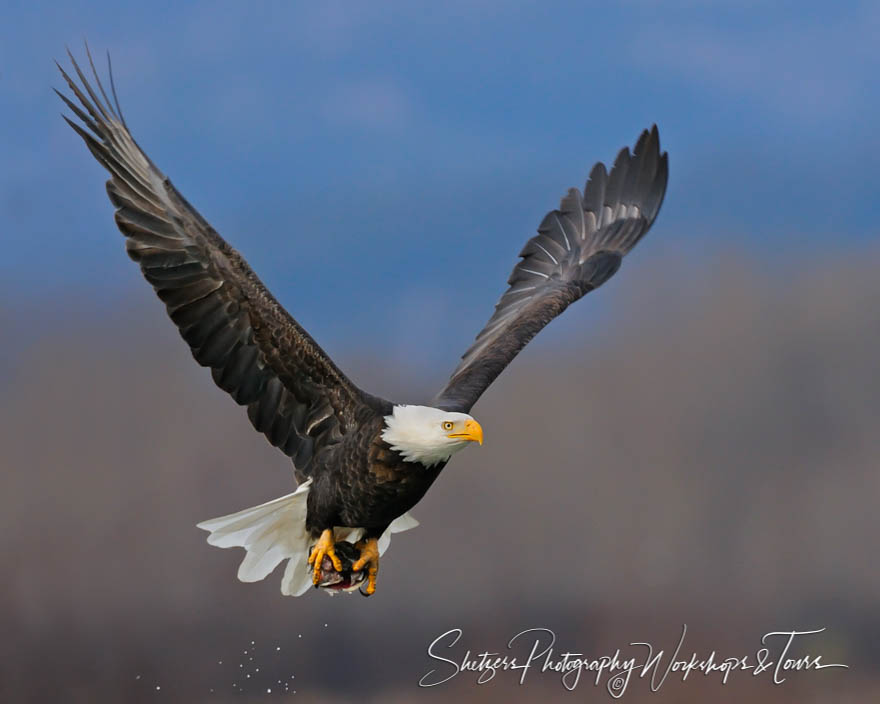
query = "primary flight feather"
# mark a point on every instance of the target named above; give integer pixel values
(361, 462)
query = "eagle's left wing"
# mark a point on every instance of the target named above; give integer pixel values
(577, 249)
(257, 352)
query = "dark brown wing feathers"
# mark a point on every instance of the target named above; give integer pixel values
(257, 352)
(578, 248)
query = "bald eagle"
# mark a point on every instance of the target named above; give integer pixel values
(361, 462)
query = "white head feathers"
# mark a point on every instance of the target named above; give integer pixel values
(429, 435)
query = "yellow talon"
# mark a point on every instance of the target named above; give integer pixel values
(324, 546)
(369, 558)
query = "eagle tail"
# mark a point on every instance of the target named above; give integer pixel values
(276, 531)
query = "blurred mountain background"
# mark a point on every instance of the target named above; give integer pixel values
(695, 444)
(709, 457)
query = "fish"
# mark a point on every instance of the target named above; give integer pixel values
(345, 580)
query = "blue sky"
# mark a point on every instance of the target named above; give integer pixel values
(383, 163)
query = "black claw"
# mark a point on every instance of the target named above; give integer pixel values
(363, 593)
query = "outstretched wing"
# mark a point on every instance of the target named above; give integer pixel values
(577, 249)
(295, 395)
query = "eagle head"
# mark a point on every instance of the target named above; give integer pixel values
(429, 435)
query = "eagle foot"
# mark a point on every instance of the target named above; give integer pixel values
(369, 549)
(324, 547)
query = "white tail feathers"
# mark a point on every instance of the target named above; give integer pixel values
(276, 531)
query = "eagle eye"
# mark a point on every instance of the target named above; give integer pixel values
(447, 425)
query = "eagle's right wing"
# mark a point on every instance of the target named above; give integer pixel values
(294, 393)
(577, 249)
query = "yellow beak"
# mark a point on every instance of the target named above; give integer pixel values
(472, 432)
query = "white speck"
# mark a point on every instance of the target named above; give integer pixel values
(300, 635)
(258, 669)
(269, 690)
(278, 648)
(138, 677)
(158, 688)
(248, 676)
(219, 662)
(252, 642)
(245, 652)
(325, 625)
